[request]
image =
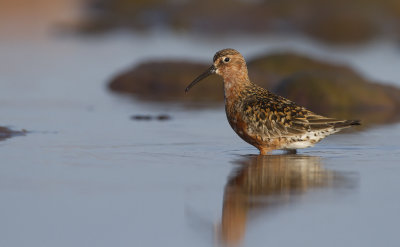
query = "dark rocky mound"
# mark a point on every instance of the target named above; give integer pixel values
(325, 88)
(167, 80)
(7, 133)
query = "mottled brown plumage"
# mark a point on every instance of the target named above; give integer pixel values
(261, 118)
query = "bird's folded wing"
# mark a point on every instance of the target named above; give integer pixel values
(282, 119)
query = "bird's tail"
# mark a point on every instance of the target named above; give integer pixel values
(346, 124)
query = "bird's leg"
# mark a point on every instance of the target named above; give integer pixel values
(264, 151)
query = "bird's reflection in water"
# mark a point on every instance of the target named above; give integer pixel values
(264, 182)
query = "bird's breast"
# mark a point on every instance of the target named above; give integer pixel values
(239, 124)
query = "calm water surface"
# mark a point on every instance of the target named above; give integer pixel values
(87, 175)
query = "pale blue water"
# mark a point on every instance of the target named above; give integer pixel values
(87, 175)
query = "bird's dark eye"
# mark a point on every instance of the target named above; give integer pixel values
(227, 59)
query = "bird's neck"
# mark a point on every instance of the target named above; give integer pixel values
(234, 84)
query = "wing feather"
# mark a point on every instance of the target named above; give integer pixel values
(274, 116)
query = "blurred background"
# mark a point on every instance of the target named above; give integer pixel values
(337, 22)
(109, 151)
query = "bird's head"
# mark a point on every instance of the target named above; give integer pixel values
(227, 63)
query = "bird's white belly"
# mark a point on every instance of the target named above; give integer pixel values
(300, 144)
(309, 139)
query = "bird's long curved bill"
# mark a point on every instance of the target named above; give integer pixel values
(207, 73)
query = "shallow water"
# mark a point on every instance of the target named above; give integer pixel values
(86, 174)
